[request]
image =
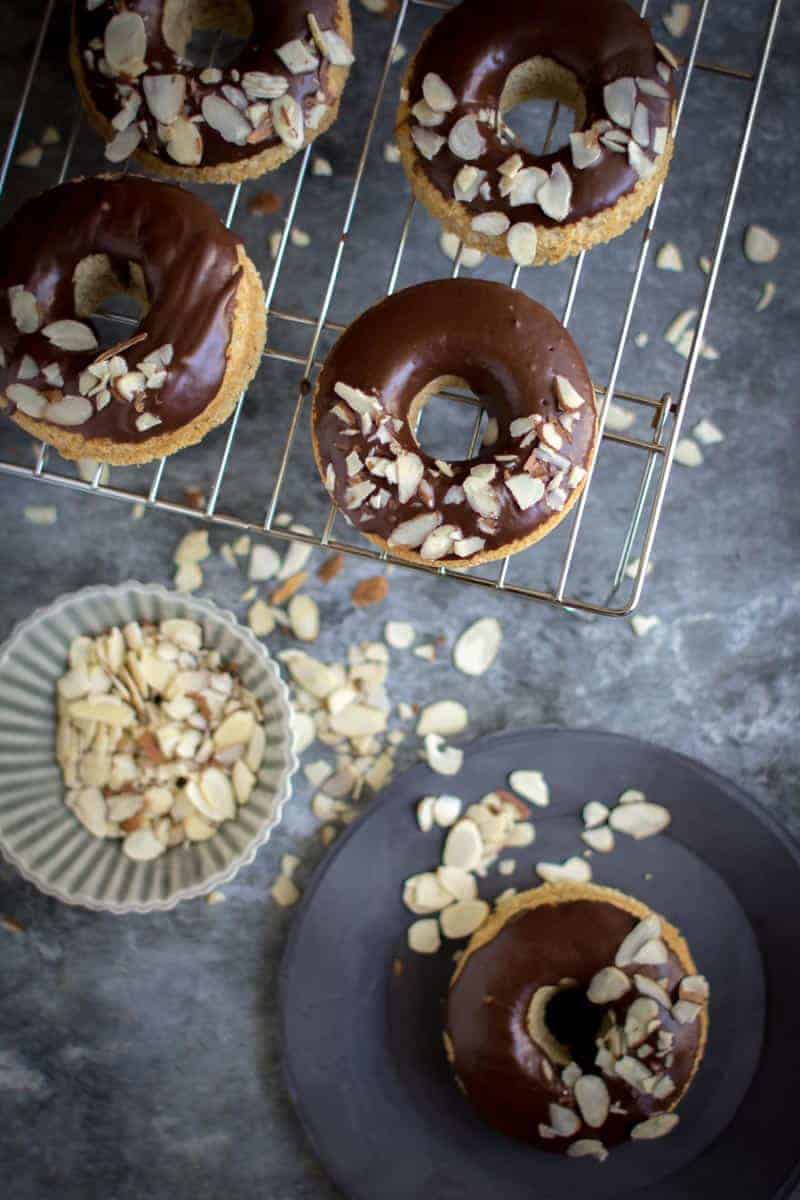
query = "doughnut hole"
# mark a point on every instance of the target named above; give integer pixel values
(105, 292)
(530, 90)
(450, 409)
(206, 30)
(575, 1022)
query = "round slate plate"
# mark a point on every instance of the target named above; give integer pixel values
(362, 1014)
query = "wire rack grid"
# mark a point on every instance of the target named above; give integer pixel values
(666, 411)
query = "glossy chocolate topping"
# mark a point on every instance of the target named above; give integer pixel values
(475, 46)
(274, 24)
(509, 350)
(506, 1076)
(191, 271)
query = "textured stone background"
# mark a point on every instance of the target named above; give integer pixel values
(139, 1057)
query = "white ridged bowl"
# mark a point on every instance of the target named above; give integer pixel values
(42, 838)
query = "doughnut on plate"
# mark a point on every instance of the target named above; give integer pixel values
(363, 1053)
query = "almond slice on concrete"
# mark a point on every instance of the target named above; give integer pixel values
(261, 619)
(531, 785)
(644, 931)
(413, 533)
(594, 813)
(425, 809)
(587, 1148)
(463, 847)
(399, 634)
(707, 432)
(358, 720)
(610, 983)
(768, 292)
(445, 717)
(304, 617)
(423, 936)
(285, 891)
(655, 1127)
(460, 920)
(669, 258)
(575, 869)
(688, 453)
(444, 759)
(477, 647)
(676, 19)
(193, 547)
(640, 819)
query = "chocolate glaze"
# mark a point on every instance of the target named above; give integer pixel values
(506, 346)
(191, 268)
(500, 1067)
(475, 46)
(274, 24)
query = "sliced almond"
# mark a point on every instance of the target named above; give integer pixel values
(465, 139)
(587, 1148)
(574, 869)
(287, 118)
(531, 785)
(165, 95)
(619, 98)
(437, 93)
(493, 224)
(413, 533)
(652, 953)
(123, 144)
(423, 936)
(555, 196)
(399, 634)
(477, 647)
(24, 307)
(669, 258)
(125, 44)
(607, 985)
(285, 891)
(760, 246)
(651, 988)
(143, 846)
(639, 820)
(585, 149)
(425, 813)
(677, 19)
(445, 760)
(594, 813)
(592, 1099)
(460, 920)
(27, 399)
(601, 840)
(563, 1120)
(463, 847)
(426, 141)
(446, 811)
(522, 240)
(445, 717)
(70, 335)
(655, 1127)
(644, 931)
(304, 617)
(458, 882)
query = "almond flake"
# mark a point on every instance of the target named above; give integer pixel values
(458, 882)
(372, 590)
(601, 840)
(70, 335)
(287, 118)
(677, 18)
(460, 920)
(607, 985)
(463, 847)
(24, 309)
(526, 490)
(425, 813)
(285, 891)
(399, 634)
(27, 399)
(655, 1127)
(193, 547)
(32, 157)
(465, 139)
(445, 760)
(645, 931)
(652, 989)
(526, 185)
(143, 846)
(450, 245)
(165, 95)
(438, 95)
(587, 1148)
(642, 165)
(585, 149)
(564, 1121)
(304, 617)
(760, 246)
(426, 141)
(522, 241)
(592, 1099)
(532, 786)
(640, 128)
(688, 453)
(575, 869)
(123, 144)
(423, 936)
(594, 813)
(296, 57)
(41, 514)
(413, 533)
(467, 182)
(619, 98)
(125, 44)
(492, 224)
(477, 647)
(70, 410)
(446, 717)
(391, 152)
(669, 258)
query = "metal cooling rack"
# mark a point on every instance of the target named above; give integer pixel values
(667, 411)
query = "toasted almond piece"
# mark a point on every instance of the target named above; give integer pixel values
(31, 157)
(235, 730)
(460, 920)
(610, 983)
(264, 562)
(391, 152)
(260, 618)
(453, 248)
(669, 258)
(531, 785)
(600, 839)
(104, 709)
(458, 882)
(655, 1127)
(287, 118)
(587, 1148)
(445, 717)
(285, 891)
(423, 936)
(463, 847)
(446, 811)
(688, 453)
(652, 953)
(321, 166)
(197, 829)
(477, 647)
(437, 93)
(188, 578)
(289, 587)
(639, 820)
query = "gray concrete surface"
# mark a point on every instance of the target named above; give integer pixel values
(139, 1057)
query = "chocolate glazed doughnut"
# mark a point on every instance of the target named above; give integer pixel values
(196, 348)
(576, 1019)
(533, 384)
(210, 124)
(472, 173)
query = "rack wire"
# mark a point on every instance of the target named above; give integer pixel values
(666, 410)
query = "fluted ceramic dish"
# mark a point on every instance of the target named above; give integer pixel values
(42, 838)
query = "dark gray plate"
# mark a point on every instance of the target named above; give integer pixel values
(362, 1044)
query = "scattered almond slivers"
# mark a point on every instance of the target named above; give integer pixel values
(158, 742)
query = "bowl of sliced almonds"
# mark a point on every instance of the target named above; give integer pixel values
(146, 748)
